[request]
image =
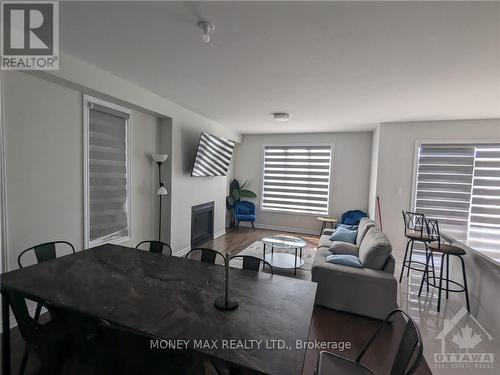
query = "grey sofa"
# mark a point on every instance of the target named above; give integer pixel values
(369, 291)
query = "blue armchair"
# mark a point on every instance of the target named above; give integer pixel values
(244, 211)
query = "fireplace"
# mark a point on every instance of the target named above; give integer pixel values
(202, 223)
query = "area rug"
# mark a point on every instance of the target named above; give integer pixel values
(303, 272)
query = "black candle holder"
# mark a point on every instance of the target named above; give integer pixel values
(225, 302)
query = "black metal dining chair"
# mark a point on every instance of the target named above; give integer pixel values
(43, 252)
(407, 359)
(48, 340)
(445, 250)
(157, 247)
(415, 226)
(206, 255)
(140, 353)
(252, 263)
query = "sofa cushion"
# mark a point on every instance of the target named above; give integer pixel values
(344, 235)
(343, 248)
(374, 249)
(364, 224)
(324, 241)
(344, 259)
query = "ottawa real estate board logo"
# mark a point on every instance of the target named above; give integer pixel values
(462, 344)
(30, 35)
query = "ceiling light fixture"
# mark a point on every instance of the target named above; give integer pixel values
(281, 116)
(207, 28)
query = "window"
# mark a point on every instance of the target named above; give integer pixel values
(459, 184)
(296, 179)
(107, 172)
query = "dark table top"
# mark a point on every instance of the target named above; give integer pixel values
(173, 298)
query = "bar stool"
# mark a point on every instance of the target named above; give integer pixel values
(445, 249)
(416, 229)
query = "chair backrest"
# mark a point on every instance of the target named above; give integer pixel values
(414, 222)
(140, 353)
(252, 263)
(245, 207)
(27, 325)
(45, 251)
(433, 230)
(410, 348)
(352, 217)
(157, 247)
(206, 255)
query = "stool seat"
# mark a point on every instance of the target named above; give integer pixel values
(446, 248)
(417, 235)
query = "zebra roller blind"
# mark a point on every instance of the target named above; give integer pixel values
(296, 179)
(459, 184)
(108, 174)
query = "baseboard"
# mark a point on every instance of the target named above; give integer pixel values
(219, 233)
(182, 252)
(280, 228)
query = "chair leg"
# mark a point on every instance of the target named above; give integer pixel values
(404, 261)
(24, 361)
(253, 226)
(447, 275)
(238, 225)
(466, 290)
(440, 282)
(409, 259)
(433, 269)
(37, 312)
(425, 274)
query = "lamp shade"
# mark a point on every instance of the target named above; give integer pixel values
(159, 158)
(162, 190)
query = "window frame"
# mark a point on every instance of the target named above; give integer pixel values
(330, 187)
(413, 197)
(86, 178)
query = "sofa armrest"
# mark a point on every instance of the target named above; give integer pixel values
(361, 291)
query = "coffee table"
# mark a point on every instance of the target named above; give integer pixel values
(283, 259)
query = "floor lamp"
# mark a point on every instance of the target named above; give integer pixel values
(159, 159)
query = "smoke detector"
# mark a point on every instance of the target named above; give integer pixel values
(206, 28)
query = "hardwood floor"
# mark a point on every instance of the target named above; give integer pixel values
(236, 241)
(327, 326)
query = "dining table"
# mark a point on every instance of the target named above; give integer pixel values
(172, 298)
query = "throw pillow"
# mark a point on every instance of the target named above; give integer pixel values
(350, 227)
(343, 248)
(345, 260)
(375, 249)
(344, 235)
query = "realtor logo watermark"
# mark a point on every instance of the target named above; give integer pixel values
(30, 35)
(465, 336)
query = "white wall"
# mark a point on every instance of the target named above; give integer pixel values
(44, 157)
(394, 186)
(186, 128)
(188, 191)
(350, 179)
(372, 199)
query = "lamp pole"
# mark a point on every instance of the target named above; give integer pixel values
(159, 159)
(161, 184)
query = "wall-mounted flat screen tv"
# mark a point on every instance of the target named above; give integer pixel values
(213, 156)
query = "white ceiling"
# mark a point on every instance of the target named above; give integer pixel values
(332, 66)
